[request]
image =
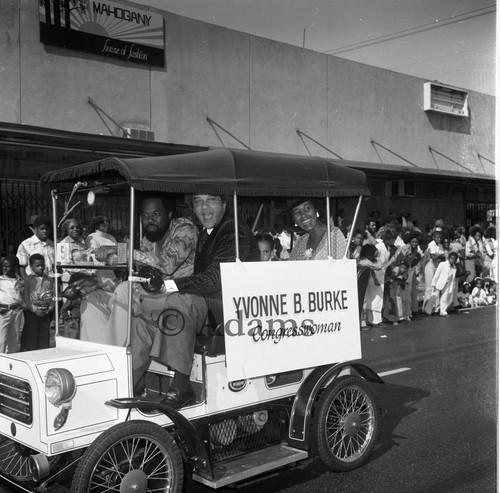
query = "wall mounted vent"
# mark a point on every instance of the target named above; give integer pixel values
(445, 99)
(138, 133)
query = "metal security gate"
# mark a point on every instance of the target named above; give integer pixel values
(18, 202)
(478, 212)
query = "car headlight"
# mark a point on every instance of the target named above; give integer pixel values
(60, 386)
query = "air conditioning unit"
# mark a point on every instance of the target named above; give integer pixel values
(138, 133)
(445, 99)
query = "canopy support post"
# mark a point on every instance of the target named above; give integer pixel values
(130, 266)
(53, 194)
(236, 236)
(349, 236)
(328, 228)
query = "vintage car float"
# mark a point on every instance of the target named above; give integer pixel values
(299, 390)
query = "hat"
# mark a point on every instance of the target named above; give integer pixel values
(298, 202)
(97, 220)
(42, 220)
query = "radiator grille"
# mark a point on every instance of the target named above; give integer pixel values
(15, 399)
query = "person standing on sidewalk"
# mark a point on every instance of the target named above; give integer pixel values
(39, 301)
(11, 305)
(443, 284)
(387, 255)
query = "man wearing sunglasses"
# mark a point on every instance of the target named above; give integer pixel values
(190, 298)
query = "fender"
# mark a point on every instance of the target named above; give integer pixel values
(300, 418)
(196, 448)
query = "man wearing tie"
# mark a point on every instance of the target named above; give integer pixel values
(190, 298)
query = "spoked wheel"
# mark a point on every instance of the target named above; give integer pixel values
(134, 456)
(14, 460)
(346, 423)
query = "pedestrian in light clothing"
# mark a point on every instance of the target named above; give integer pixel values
(387, 255)
(433, 256)
(490, 253)
(474, 253)
(443, 284)
(11, 305)
(39, 301)
(38, 243)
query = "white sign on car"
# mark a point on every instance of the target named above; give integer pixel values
(276, 322)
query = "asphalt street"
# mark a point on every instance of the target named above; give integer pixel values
(440, 399)
(440, 413)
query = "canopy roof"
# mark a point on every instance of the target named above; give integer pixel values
(225, 171)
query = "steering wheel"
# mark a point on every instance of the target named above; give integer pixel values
(155, 277)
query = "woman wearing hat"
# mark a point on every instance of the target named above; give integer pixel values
(313, 244)
(100, 236)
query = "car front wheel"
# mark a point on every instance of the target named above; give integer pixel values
(135, 456)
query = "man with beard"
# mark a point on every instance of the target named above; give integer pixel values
(190, 298)
(169, 245)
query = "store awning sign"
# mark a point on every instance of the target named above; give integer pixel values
(104, 28)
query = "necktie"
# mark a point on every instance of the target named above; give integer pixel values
(202, 240)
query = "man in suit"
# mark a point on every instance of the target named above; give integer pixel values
(190, 298)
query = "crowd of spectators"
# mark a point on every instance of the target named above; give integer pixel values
(414, 272)
(27, 285)
(417, 273)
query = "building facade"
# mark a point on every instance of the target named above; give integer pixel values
(205, 85)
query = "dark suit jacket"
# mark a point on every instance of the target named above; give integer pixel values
(219, 247)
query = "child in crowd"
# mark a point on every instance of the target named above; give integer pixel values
(38, 297)
(479, 297)
(443, 284)
(491, 290)
(70, 312)
(11, 305)
(266, 246)
(394, 287)
(464, 295)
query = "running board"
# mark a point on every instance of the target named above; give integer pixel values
(250, 465)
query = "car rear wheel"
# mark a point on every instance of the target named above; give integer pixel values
(346, 423)
(135, 456)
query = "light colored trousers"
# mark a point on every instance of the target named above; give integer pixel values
(11, 328)
(164, 326)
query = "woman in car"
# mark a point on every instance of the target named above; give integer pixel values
(313, 244)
